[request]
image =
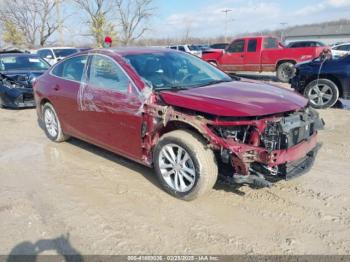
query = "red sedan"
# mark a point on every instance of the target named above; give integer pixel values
(174, 112)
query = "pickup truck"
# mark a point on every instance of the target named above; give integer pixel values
(262, 53)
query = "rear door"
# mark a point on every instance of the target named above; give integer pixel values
(65, 91)
(252, 55)
(233, 59)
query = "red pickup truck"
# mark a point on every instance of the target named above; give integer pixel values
(262, 53)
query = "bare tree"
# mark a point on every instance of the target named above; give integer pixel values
(133, 15)
(97, 12)
(34, 19)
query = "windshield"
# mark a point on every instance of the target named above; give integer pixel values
(8, 63)
(64, 52)
(174, 70)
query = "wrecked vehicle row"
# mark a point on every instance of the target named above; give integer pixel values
(180, 115)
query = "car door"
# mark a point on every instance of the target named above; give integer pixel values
(69, 79)
(110, 107)
(252, 56)
(233, 59)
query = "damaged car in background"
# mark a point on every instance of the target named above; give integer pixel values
(323, 81)
(18, 71)
(180, 115)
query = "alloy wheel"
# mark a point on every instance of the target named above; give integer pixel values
(177, 167)
(51, 122)
(320, 94)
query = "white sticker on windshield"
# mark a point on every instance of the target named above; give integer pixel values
(34, 60)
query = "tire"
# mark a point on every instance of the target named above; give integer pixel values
(201, 162)
(285, 71)
(52, 125)
(322, 93)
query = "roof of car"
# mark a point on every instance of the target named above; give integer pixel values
(123, 51)
(58, 47)
(18, 54)
(342, 44)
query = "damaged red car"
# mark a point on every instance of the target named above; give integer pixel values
(180, 115)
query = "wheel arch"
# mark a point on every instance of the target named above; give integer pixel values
(285, 61)
(43, 101)
(173, 125)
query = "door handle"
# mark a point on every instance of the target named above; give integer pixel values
(242, 55)
(56, 88)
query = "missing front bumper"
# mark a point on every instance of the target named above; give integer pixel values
(260, 176)
(299, 167)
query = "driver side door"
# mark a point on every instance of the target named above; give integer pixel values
(233, 60)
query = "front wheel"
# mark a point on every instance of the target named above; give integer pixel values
(322, 93)
(185, 167)
(285, 71)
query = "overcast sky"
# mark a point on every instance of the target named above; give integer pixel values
(206, 19)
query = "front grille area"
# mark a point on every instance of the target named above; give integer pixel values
(291, 130)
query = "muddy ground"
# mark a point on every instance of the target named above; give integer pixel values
(77, 198)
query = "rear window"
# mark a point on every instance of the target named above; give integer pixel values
(270, 43)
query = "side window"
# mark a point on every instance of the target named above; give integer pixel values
(236, 47)
(252, 43)
(344, 48)
(271, 43)
(181, 48)
(45, 53)
(71, 69)
(173, 47)
(105, 73)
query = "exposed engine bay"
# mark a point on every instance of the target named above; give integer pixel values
(257, 150)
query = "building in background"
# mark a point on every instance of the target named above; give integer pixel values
(328, 34)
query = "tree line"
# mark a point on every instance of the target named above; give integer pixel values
(34, 22)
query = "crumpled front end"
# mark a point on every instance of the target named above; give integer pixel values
(15, 94)
(252, 150)
(282, 146)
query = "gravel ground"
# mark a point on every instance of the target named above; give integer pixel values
(76, 198)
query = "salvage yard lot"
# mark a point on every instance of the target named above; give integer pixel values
(77, 198)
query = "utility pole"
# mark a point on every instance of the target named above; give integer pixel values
(59, 21)
(226, 11)
(283, 24)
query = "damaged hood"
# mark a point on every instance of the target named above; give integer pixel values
(236, 98)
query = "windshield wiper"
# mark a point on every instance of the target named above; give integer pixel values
(171, 88)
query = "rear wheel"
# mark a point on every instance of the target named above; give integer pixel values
(185, 167)
(52, 124)
(285, 71)
(322, 93)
